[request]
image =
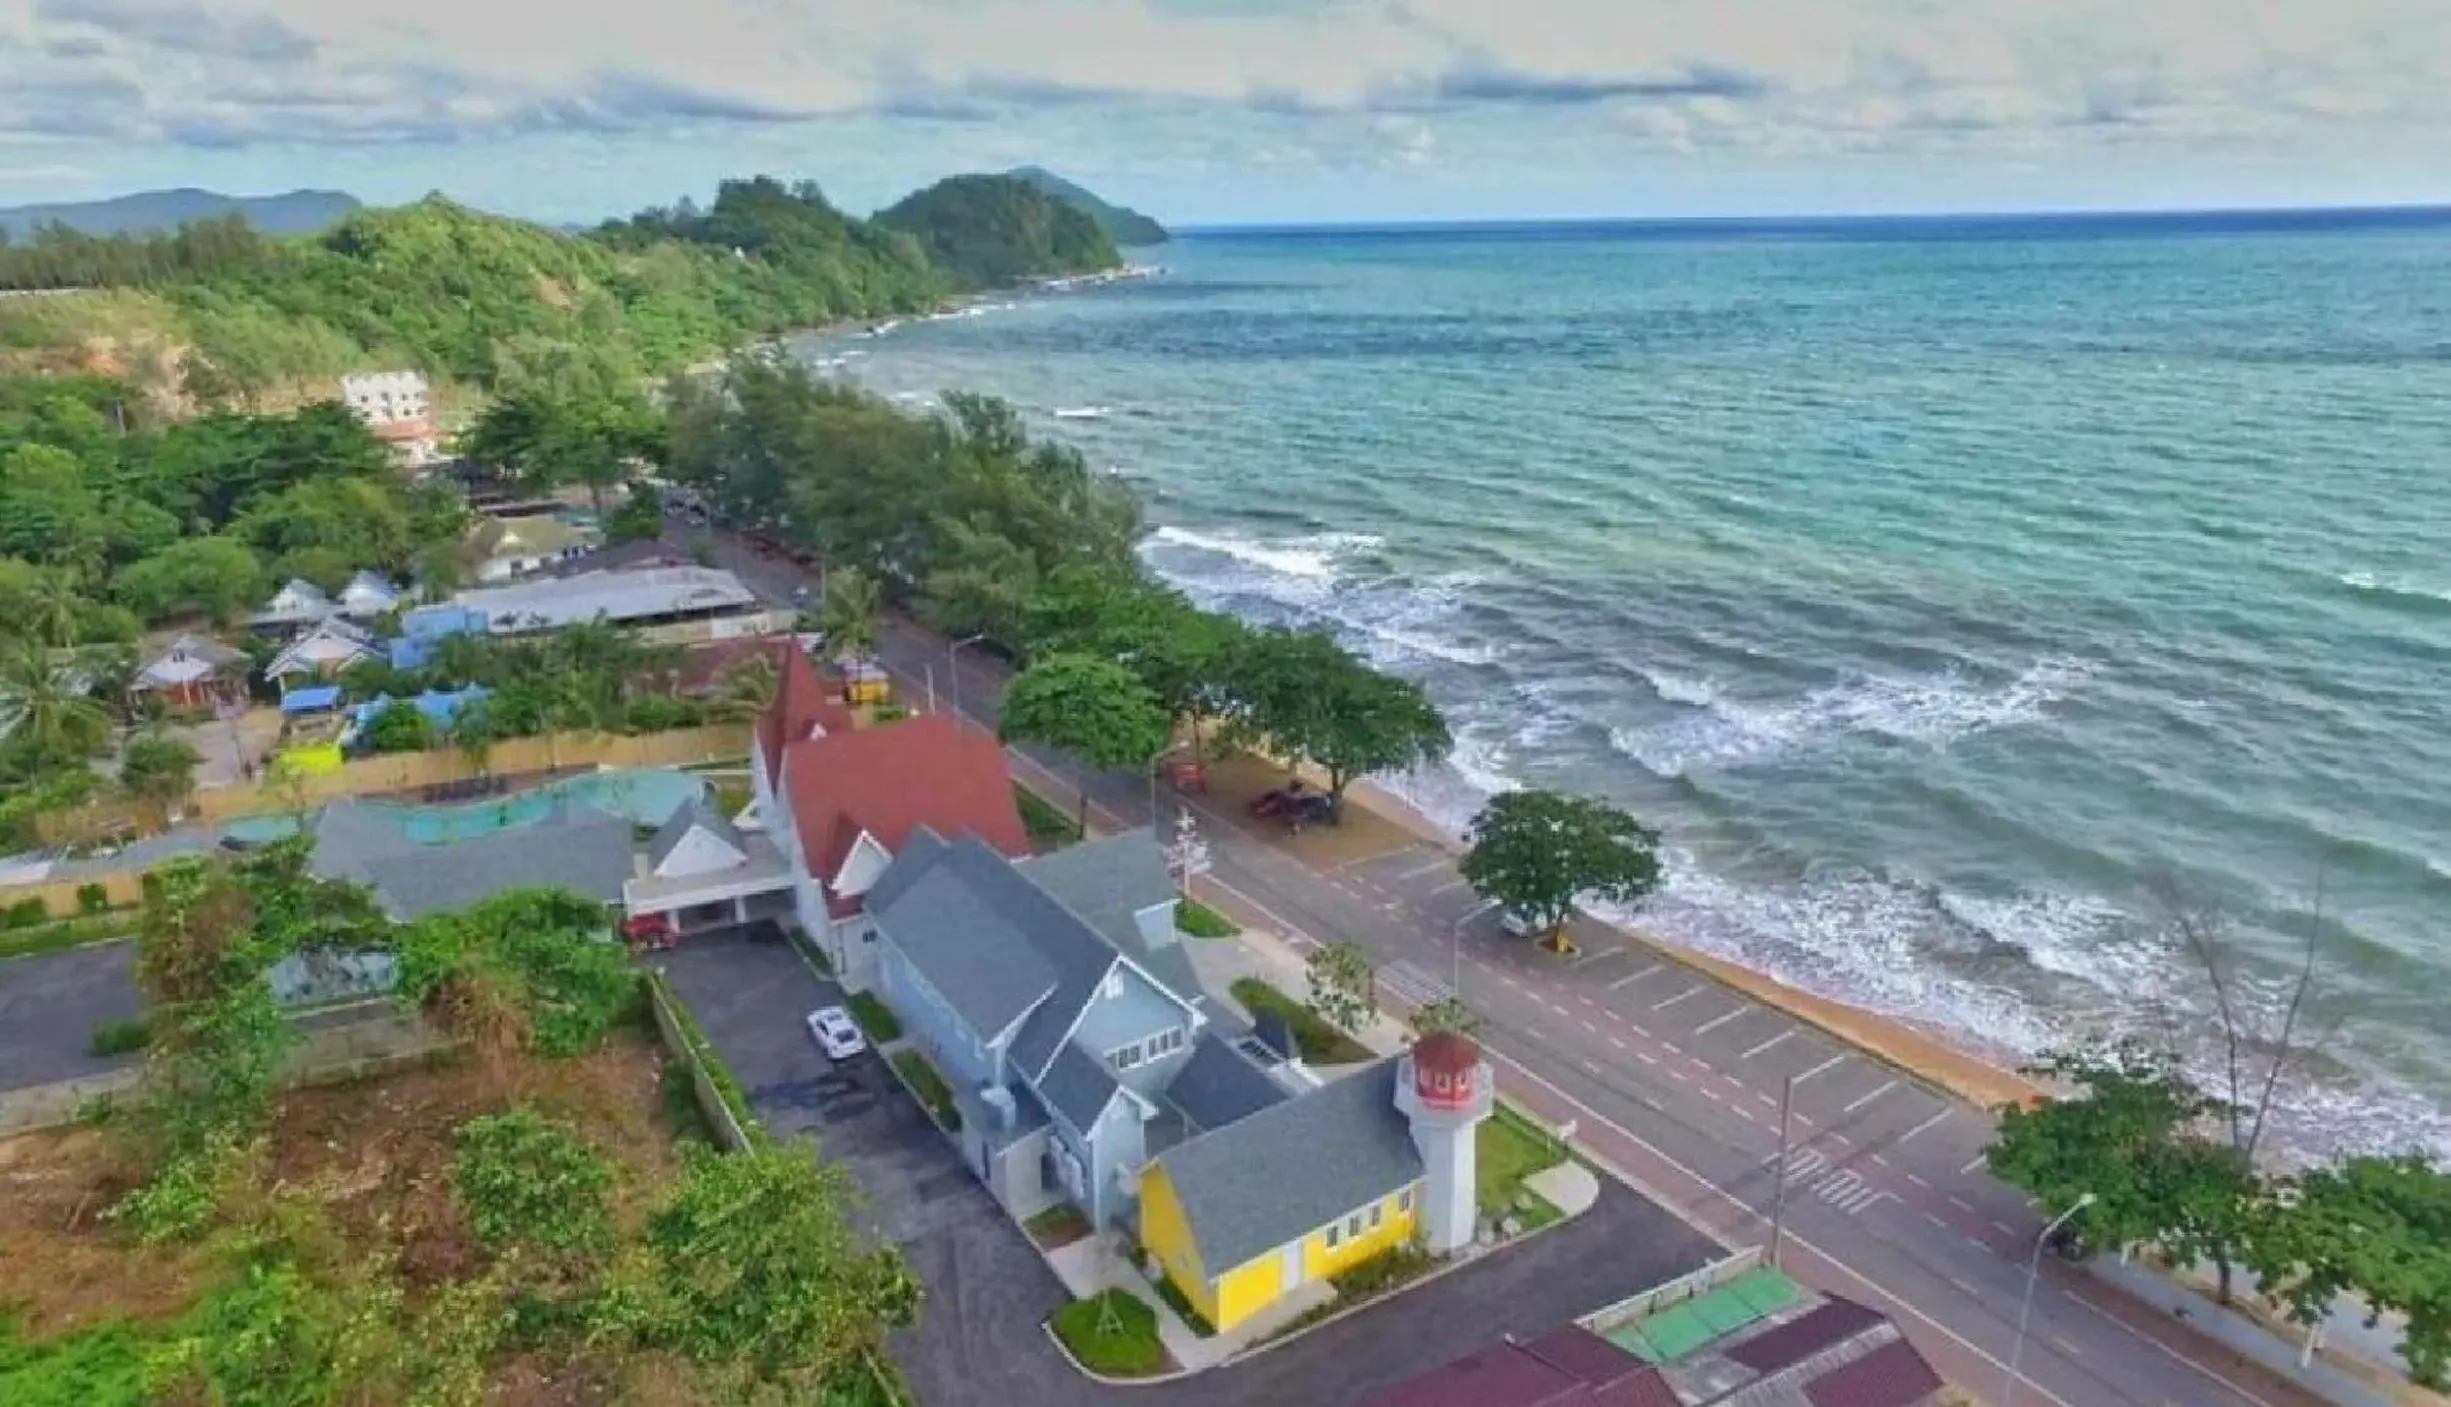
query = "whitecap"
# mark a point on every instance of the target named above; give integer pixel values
(1083, 412)
(1676, 688)
(1310, 558)
(2399, 588)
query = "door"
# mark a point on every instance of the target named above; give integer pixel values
(1292, 1258)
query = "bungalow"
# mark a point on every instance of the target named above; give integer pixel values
(194, 671)
(1055, 997)
(499, 549)
(841, 804)
(298, 604)
(368, 595)
(321, 653)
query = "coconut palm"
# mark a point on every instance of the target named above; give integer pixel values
(47, 704)
(748, 689)
(53, 609)
(847, 612)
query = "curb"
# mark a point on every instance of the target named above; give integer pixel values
(1064, 1351)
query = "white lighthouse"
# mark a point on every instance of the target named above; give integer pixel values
(1443, 1087)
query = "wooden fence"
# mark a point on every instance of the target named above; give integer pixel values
(415, 771)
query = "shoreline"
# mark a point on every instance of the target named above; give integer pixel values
(1926, 1055)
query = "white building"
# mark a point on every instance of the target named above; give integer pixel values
(385, 397)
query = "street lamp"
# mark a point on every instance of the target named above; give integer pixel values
(953, 667)
(2025, 1311)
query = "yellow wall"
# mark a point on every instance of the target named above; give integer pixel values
(1393, 1230)
(1166, 1234)
(1247, 1289)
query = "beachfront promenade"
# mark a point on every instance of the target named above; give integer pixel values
(1674, 1078)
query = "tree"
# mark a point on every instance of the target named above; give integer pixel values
(2123, 1134)
(218, 576)
(1535, 851)
(1447, 1013)
(47, 705)
(2379, 1226)
(1182, 653)
(752, 1262)
(847, 613)
(217, 1034)
(158, 769)
(474, 732)
(1316, 703)
(1092, 708)
(1344, 985)
(398, 726)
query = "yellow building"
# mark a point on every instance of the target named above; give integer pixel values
(1245, 1213)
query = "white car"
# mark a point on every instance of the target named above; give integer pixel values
(832, 1029)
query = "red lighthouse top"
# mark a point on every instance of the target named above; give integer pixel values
(1445, 1068)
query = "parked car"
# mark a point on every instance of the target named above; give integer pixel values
(833, 1030)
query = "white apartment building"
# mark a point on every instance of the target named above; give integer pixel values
(385, 397)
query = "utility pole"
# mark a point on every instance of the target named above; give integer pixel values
(1778, 1186)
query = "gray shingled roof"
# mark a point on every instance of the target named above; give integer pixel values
(696, 814)
(965, 921)
(1107, 882)
(577, 848)
(1078, 1087)
(1218, 1085)
(1261, 1181)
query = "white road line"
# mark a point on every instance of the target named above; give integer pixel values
(1589, 958)
(1646, 1057)
(1919, 1182)
(1586, 1025)
(1824, 1065)
(1936, 1221)
(1969, 1291)
(1518, 986)
(1867, 1099)
(1979, 1160)
(1637, 977)
(1766, 1099)
(1960, 1203)
(1774, 1040)
(1449, 886)
(2004, 1228)
(1695, 990)
(1680, 1075)
(1588, 1002)
(1720, 1020)
(1936, 1118)
(1621, 1045)
(1881, 1161)
(2115, 1322)
(1425, 867)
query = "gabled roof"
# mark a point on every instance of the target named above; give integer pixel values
(801, 704)
(892, 779)
(1568, 1367)
(974, 929)
(190, 657)
(576, 848)
(1109, 882)
(1252, 1185)
(696, 815)
(1217, 1085)
(331, 639)
(1078, 1087)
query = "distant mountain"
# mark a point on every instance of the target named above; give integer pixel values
(990, 231)
(1123, 225)
(156, 212)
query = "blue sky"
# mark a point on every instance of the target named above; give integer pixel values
(1246, 110)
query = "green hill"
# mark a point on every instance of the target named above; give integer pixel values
(989, 230)
(159, 212)
(1124, 225)
(219, 312)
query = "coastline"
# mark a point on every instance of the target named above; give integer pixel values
(1924, 1054)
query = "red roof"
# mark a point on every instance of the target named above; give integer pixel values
(1566, 1367)
(801, 703)
(1893, 1375)
(890, 780)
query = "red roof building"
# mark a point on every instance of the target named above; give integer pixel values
(1566, 1367)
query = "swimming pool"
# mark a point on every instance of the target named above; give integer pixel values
(644, 796)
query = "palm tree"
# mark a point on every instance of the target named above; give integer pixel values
(48, 705)
(847, 613)
(53, 608)
(748, 689)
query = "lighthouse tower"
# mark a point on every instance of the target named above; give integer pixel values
(1443, 1087)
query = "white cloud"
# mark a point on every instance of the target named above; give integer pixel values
(1153, 81)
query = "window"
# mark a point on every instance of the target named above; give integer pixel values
(1166, 1042)
(1335, 1234)
(1377, 1214)
(1126, 1057)
(1404, 1200)
(1353, 1224)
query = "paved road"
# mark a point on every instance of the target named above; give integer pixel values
(50, 1004)
(1677, 1080)
(978, 1342)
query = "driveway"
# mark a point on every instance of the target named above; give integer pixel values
(49, 1006)
(978, 1342)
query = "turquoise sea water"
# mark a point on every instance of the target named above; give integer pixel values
(1935, 586)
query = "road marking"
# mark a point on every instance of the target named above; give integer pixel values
(1449, 887)
(1979, 1160)
(1960, 1203)
(1843, 1188)
(2004, 1228)
(1766, 1099)
(1693, 991)
(1919, 1182)
(1586, 1025)
(1589, 958)
(1867, 1099)
(1518, 986)
(1936, 1221)
(2060, 1342)
(1621, 1045)
(1824, 1065)
(1588, 1002)
(2115, 1322)
(1774, 1040)
(1680, 1075)
(1936, 1118)
(1877, 1158)
(1969, 1291)
(1423, 868)
(1646, 1057)
(1637, 977)
(1720, 1021)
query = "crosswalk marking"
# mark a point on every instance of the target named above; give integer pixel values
(1843, 1188)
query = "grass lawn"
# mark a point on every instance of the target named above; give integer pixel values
(875, 1018)
(1114, 1333)
(930, 1087)
(1048, 824)
(1059, 1225)
(1319, 1042)
(1510, 1148)
(1200, 921)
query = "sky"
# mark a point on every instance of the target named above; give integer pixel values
(1246, 111)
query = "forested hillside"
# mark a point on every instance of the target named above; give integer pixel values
(220, 313)
(1122, 223)
(159, 212)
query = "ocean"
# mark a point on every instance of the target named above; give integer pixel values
(1943, 589)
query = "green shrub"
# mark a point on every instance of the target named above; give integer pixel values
(1383, 1272)
(25, 913)
(97, 1367)
(1113, 1333)
(186, 1192)
(1200, 921)
(525, 1181)
(120, 1037)
(875, 1018)
(1173, 1295)
(889, 712)
(1045, 821)
(93, 899)
(931, 1088)
(1318, 1042)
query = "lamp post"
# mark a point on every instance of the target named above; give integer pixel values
(2025, 1311)
(953, 668)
